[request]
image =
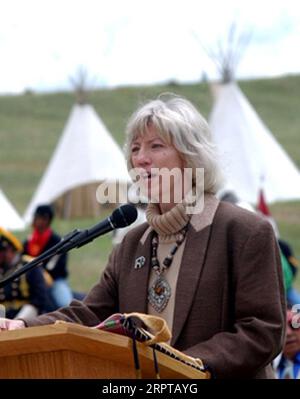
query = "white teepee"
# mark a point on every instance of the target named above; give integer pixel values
(9, 218)
(86, 154)
(250, 156)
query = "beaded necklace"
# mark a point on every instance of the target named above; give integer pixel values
(160, 292)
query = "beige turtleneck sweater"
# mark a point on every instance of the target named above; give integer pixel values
(167, 226)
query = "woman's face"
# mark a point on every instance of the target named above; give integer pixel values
(150, 152)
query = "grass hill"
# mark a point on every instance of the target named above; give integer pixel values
(31, 124)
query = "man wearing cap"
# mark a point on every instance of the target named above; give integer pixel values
(55, 270)
(27, 295)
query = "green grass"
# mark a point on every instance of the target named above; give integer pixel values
(31, 124)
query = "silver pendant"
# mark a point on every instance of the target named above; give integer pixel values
(159, 294)
(139, 262)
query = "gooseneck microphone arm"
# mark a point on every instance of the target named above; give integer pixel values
(121, 217)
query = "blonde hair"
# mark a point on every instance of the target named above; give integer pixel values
(179, 123)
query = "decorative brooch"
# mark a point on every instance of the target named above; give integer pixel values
(139, 262)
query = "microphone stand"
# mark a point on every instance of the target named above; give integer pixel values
(64, 245)
(75, 238)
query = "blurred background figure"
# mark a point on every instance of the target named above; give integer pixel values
(27, 295)
(291, 266)
(287, 364)
(55, 270)
(288, 260)
(229, 195)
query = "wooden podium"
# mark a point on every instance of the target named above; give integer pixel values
(67, 350)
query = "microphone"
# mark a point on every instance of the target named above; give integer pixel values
(123, 216)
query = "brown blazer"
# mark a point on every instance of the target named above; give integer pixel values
(230, 302)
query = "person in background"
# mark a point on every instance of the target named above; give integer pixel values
(55, 270)
(287, 364)
(228, 194)
(210, 269)
(27, 295)
(292, 264)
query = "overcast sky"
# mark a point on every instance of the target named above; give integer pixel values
(125, 42)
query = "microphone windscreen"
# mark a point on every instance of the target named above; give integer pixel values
(124, 216)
